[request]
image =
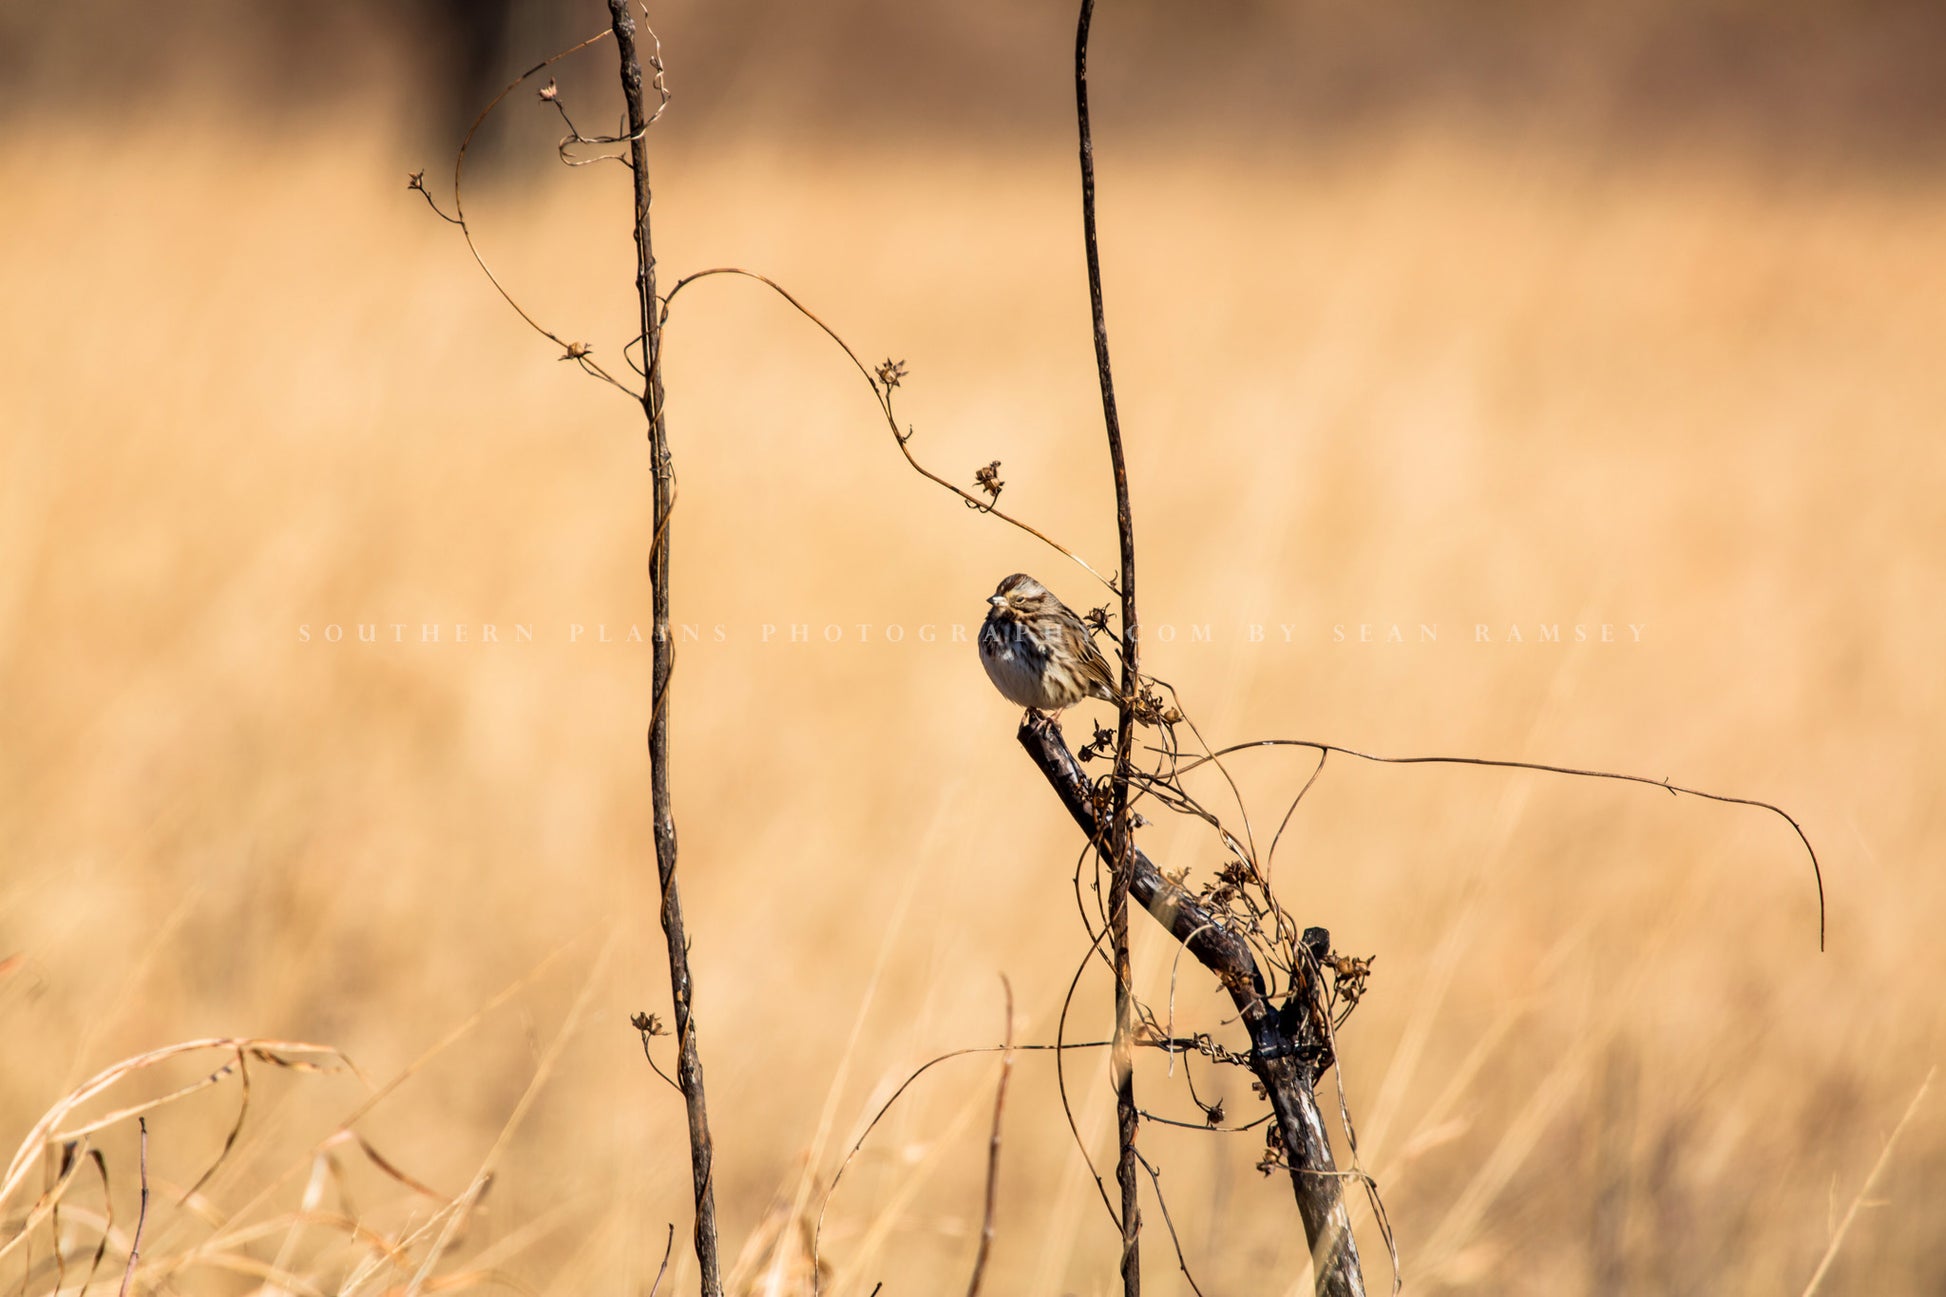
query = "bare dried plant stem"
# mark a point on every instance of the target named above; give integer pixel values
(1865, 1190)
(1287, 1052)
(1120, 842)
(990, 1214)
(689, 1065)
(141, 1217)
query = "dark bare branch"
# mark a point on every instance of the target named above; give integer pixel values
(1120, 837)
(689, 1064)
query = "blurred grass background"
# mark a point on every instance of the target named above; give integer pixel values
(1520, 316)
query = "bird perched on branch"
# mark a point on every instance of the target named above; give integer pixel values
(1038, 653)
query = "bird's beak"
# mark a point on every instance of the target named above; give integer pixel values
(997, 601)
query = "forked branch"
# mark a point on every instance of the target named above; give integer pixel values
(1288, 1052)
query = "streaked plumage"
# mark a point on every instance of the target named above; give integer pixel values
(1037, 652)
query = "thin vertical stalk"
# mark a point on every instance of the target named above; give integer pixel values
(1121, 842)
(689, 1065)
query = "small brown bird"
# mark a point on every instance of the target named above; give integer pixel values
(1038, 653)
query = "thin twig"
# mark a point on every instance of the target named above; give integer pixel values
(1203, 1126)
(575, 351)
(817, 1231)
(987, 1222)
(142, 1214)
(1155, 1180)
(1817, 871)
(1061, 1079)
(648, 1027)
(668, 1247)
(882, 394)
(551, 95)
(1270, 860)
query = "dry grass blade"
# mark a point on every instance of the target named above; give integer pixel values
(859, 1143)
(239, 1263)
(107, 1220)
(44, 1206)
(477, 1277)
(884, 1108)
(371, 1101)
(1865, 1189)
(1467, 1208)
(271, 1052)
(336, 1222)
(236, 1127)
(807, 1185)
(43, 1132)
(457, 1212)
(987, 1219)
(389, 1168)
(892, 1211)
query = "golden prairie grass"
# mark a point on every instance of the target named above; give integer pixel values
(1439, 383)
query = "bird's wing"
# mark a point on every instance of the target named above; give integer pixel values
(1094, 666)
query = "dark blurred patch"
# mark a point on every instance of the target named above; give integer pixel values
(1851, 79)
